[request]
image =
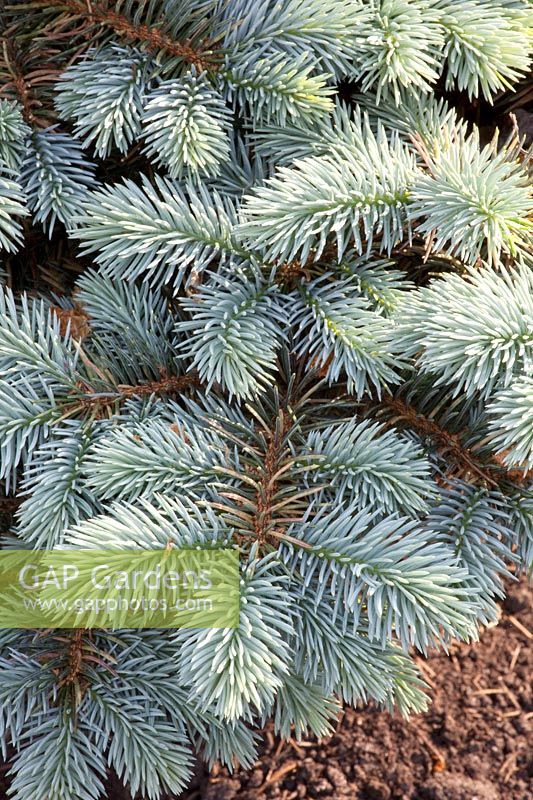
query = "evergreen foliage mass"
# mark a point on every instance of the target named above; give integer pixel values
(280, 298)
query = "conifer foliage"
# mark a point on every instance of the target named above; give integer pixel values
(301, 326)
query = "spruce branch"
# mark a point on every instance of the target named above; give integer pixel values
(12, 207)
(269, 359)
(330, 31)
(274, 457)
(158, 230)
(226, 674)
(71, 765)
(511, 415)
(344, 130)
(24, 76)
(522, 523)
(186, 127)
(388, 567)
(336, 331)
(57, 497)
(472, 202)
(56, 178)
(146, 751)
(133, 322)
(369, 467)
(236, 328)
(352, 665)
(487, 46)
(104, 96)
(151, 456)
(266, 496)
(471, 332)
(13, 132)
(173, 385)
(404, 412)
(301, 706)
(277, 87)
(334, 198)
(401, 48)
(476, 522)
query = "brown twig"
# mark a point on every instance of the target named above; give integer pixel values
(18, 82)
(267, 484)
(69, 658)
(449, 442)
(170, 385)
(154, 39)
(74, 659)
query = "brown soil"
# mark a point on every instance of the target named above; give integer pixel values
(473, 744)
